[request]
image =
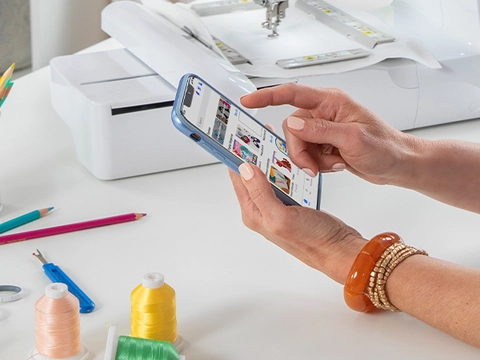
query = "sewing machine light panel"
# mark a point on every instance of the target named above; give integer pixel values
(344, 23)
(325, 58)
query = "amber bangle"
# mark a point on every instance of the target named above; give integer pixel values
(356, 286)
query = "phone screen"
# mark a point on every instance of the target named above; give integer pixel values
(249, 140)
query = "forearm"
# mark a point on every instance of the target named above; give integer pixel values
(446, 170)
(441, 294)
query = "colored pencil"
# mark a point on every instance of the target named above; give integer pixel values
(5, 90)
(6, 84)
(61, 229)
(7, 75)
(23, 219)
(3, 96)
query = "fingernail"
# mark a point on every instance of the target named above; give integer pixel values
(270, 126)
(246, 171)
(308, 172)
(338, 167)
(295, 123)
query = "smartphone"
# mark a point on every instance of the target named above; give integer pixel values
(233, 136)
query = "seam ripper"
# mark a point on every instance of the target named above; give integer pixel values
(56, 274)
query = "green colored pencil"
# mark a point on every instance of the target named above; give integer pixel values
(23, 219)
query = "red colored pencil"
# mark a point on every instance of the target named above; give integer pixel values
(61, 229)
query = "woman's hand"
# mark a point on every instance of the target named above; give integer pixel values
(331, 132)
(315, 237)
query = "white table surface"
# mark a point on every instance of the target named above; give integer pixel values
(238, 296)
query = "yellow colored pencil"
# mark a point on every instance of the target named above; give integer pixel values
(7, 75)
(6, 84)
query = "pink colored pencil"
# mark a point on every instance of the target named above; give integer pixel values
(61, 229)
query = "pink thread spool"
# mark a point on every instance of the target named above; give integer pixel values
(57, 326)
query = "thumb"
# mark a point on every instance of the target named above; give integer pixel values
(260, 190)
(311, 143)
(319, 131)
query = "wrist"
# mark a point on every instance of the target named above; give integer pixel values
(338, 265)
(410, 163)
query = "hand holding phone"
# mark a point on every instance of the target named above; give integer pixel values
(233, 136)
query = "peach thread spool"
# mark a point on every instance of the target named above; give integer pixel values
(153, 310)
(57, 326)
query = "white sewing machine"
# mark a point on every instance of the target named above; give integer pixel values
(414, 64)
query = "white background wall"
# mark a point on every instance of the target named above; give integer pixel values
(62, 27)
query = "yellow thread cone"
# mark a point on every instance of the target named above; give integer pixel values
(153, 309)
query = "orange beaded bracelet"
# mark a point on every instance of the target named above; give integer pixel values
(356, 286)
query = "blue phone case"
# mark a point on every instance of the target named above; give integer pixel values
(210, 145)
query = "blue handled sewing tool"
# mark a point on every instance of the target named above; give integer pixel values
(56, 274)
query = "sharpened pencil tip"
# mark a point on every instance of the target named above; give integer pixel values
(45, 211)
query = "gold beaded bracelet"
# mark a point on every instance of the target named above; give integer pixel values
(393, 255)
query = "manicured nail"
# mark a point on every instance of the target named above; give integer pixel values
(246, 171)
(270, 126)
(338, 167)
(308, 172)
(295, 123)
